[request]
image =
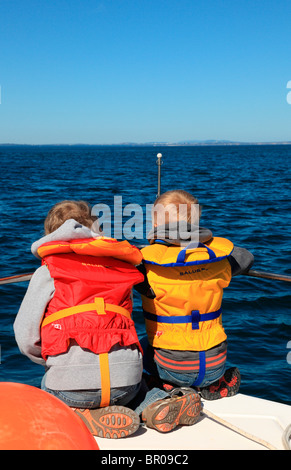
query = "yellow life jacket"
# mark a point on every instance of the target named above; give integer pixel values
(188, 284)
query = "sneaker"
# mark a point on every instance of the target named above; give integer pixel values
(227, 386)
(183, 407)
(112, 422)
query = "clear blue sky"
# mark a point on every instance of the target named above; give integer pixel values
(110, 71)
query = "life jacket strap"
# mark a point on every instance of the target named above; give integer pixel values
(194, 318)
(105, 379)
(101, 307)
(202, 369)
(192, 246)
(103, 361)
(98, 305)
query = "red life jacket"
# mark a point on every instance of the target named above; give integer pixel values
(92, 302)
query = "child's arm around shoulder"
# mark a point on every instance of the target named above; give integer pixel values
(27, 323)
(144, 287)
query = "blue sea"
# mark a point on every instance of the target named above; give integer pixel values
(245, 196)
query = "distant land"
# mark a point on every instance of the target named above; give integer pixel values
(182, 143)
(202, 142)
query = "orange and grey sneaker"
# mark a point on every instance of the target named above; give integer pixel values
(112, 422)
(227, 386)
(183, 407)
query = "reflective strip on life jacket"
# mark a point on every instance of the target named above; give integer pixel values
(194, 318)
(100, 306)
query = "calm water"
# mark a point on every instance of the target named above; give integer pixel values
(245, 194)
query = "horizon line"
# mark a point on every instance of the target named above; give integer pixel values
(183, 143)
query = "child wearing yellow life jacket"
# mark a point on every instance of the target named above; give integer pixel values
(188, 269)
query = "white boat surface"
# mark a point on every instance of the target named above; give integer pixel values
(266, 420)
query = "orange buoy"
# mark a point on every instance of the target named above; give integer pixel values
(32, 419)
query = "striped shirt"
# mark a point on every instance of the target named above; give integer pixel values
(188, 361)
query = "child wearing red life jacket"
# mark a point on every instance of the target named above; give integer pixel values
(188, 270)
(75, 320)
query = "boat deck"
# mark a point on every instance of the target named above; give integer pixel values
(264, 419)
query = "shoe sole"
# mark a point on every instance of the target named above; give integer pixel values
(184, 410)
(226, 386)
(111, 422)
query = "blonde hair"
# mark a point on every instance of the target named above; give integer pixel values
(178, 205)
(65, 210)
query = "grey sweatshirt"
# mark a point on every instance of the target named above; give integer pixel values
(77, 369)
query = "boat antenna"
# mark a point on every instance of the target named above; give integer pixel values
(159, 163)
